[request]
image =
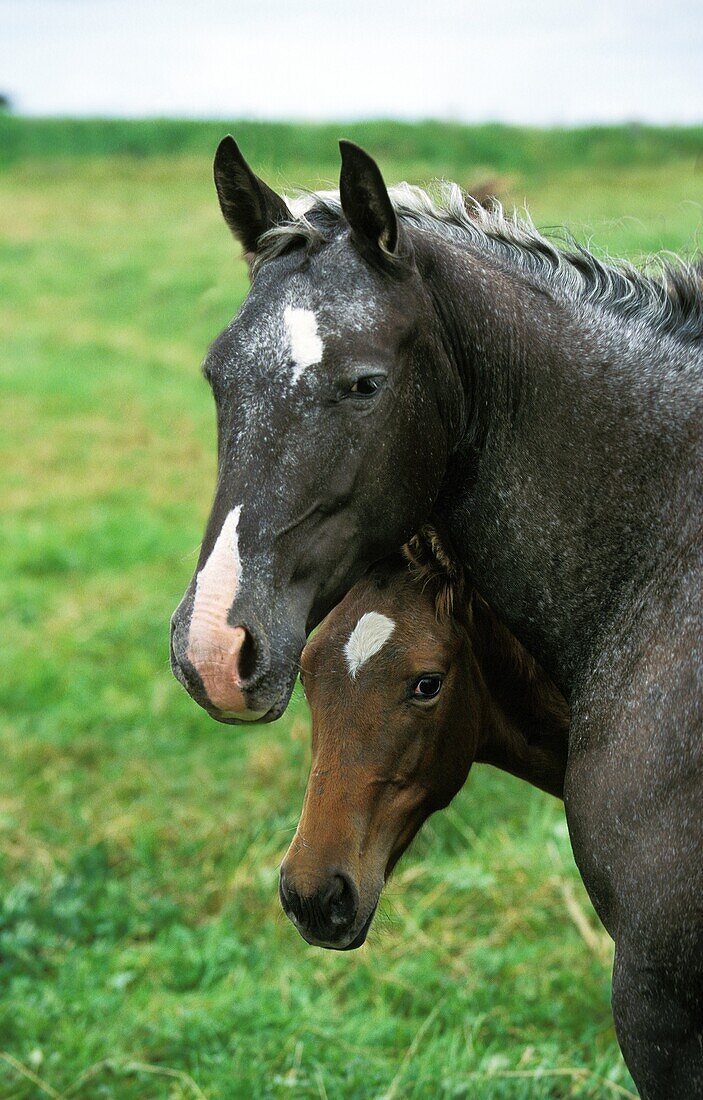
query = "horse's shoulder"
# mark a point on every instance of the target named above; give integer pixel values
(643, 704)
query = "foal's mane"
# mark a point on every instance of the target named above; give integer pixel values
(669, 298)
(510, 671)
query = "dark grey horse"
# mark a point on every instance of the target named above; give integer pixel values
(398, 359)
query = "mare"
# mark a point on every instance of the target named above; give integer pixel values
(410, 680)
(401, 360)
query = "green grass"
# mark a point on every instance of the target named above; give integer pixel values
(142, 949)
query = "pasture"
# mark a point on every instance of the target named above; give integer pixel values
(143, 952)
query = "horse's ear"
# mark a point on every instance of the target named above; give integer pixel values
(248, 205)
(365, 200)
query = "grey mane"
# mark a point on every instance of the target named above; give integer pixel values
(669, 299)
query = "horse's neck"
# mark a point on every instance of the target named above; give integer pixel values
(526, 717)
(561, 498)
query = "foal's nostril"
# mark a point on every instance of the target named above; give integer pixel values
(340, 901)
(326, 913)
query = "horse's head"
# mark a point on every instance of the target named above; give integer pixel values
(397, 705)
(332, 438)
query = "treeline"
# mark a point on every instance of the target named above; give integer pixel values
(460, 148)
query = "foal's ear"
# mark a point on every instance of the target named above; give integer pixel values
(365, 200)
(435, 563)
(248, 205)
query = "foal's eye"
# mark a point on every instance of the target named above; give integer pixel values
(366, 386)
(427, 687)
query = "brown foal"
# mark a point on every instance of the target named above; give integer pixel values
(410, 681)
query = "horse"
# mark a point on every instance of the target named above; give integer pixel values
(410, 680)
(399, 361)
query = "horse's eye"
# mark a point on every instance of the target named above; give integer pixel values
(427, 687)
(366, 386)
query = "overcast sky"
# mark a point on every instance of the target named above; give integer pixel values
(549, 61)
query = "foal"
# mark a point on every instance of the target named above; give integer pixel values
(409, 682)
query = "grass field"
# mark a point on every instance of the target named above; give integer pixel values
(142, 950)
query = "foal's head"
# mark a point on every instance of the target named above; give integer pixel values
(409, 681)
(397, 718)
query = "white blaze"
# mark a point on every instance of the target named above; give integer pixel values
(211, 638)
(368, 636)
(213, 644)
(305, 343)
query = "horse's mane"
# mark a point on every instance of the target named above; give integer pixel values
(669, 298)
(511, 671)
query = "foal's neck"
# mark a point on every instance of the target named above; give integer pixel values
(526, 719)
(572, 481)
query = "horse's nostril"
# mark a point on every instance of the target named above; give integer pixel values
(248, 656)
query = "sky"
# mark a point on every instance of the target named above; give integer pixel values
(548, 62)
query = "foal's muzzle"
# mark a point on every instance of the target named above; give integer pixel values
(325, 913)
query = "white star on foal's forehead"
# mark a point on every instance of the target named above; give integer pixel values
(368, 636)
(305, 342)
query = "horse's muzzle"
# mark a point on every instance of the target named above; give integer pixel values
(230, 673)
(218, 674)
